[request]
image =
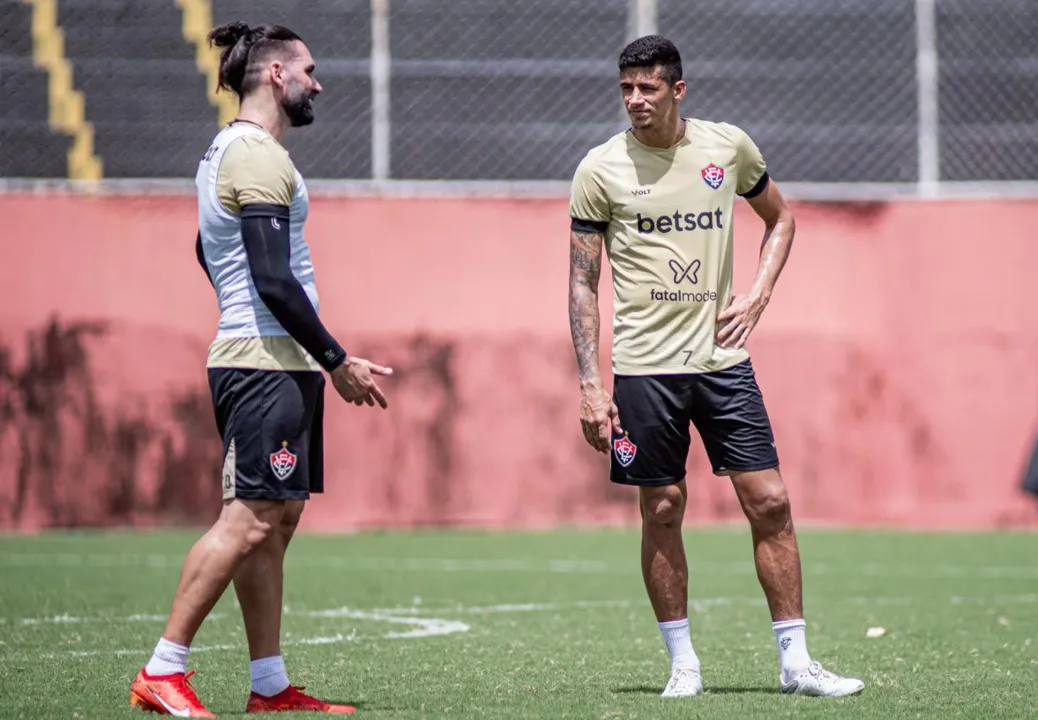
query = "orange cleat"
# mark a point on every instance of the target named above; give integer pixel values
(293, 700)
(167, 695)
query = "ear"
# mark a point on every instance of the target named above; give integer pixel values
(679, 89)
(277, 73)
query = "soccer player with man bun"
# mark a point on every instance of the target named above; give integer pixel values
(266, 369)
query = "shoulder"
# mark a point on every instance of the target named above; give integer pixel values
(721, 132)
(258, 150)
(256, 169)
(590, 166)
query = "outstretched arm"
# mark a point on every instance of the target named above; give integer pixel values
(738, 319)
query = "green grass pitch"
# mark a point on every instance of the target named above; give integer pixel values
(529, 625)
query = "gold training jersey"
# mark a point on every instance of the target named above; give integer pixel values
(245, 165)
(667, 219)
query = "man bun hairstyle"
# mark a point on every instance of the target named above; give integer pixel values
(650, 51)
(244, 50)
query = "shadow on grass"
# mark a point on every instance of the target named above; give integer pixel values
(360, 705)
(653, 690)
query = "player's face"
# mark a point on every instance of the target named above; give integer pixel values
(650, 100)
(300, 87)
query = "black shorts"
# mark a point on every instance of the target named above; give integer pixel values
(725, 406)
(272, 425)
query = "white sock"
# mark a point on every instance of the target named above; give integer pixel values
(791, 637)
(168, 659)
(268, 675)
(679, 643)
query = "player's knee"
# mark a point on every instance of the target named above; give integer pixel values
(249, 524)
(770, 509)
(290, 520)
(256, 534)
(663, 507)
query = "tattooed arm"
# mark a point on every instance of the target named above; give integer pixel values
(598, 414)
(585, 267)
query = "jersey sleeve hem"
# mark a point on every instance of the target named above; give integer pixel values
(264, 210)
(588, 226)
(758, 188)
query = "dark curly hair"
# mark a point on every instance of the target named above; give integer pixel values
(650, 51)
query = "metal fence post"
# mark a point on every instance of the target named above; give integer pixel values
(927, 97)
(380, 93)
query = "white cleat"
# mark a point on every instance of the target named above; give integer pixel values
(816, 681)
(683, 682)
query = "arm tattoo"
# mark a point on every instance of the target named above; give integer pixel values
(585, 266)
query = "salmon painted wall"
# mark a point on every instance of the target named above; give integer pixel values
(899, 360)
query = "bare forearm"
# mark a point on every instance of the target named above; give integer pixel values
(778, 239)
(585, 265)
(584, 328)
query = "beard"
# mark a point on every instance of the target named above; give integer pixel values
(299, 108)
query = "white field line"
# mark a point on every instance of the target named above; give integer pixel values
(565, 567)
(74, 620)
(391, 615)
(422, 627)
(418, 627)
(432, 626)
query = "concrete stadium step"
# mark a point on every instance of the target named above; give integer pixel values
(15, 28)
(23, 91)
(160, 91)
(138, 149)
(330, 28)
(89, 41)
(29, 149)
(152, 16)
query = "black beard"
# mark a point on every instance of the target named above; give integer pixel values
(300, 111)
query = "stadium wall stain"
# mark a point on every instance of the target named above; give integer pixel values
(898, 360)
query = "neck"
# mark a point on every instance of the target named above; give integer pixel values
(666, 135)
(265, 114)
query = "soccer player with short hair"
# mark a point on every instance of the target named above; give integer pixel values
(659, 196)
(265, 370)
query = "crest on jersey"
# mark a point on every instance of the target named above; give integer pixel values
(624, 450)
(283, 462)
(713, 175)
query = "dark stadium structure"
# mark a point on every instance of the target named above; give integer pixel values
(505, 90)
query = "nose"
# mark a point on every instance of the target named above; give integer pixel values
(636, 98)
(317, 87)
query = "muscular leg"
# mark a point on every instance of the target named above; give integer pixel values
(243, 526)
(259, 583)
(765, 502)
(664, 568)
(665, 572)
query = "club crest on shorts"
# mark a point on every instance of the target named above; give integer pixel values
(713, 175)
(624, 450)
(283, 462)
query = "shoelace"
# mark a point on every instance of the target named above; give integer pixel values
(819, 672)
(187, 680)
(684, 676)
(187, 683)
(297, 691)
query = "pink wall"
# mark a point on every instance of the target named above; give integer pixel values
(899, 359)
